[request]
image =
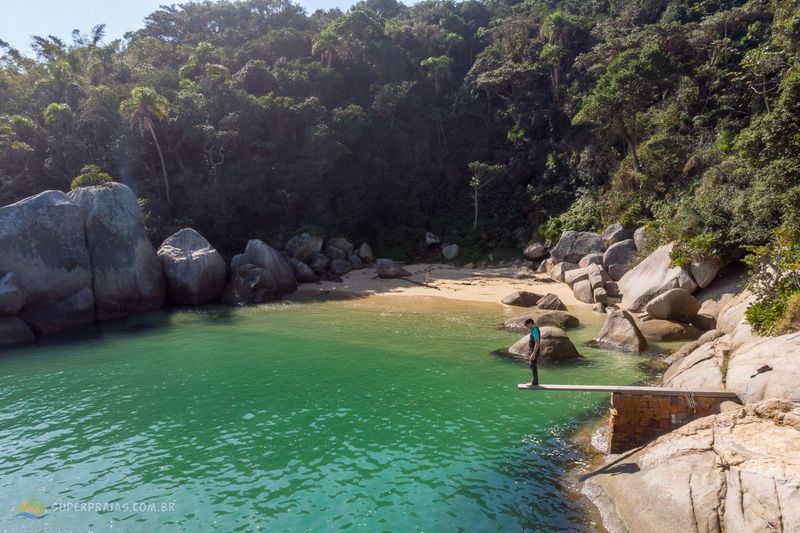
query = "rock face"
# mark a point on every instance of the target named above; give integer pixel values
(704, 271)
(615, 233)
(450, 251)
(387, 269)
(652, 277)
(43, 244)
(194, 271)
(781, 354)
(700, 369)
(14, 331)
(558, 319)
(521, 299)
(535, 251)
(552, 302)
(303, 247)
(620, 332)
(573, 245)
(264, 256)
(126, 271)
(618, 257)
(555, 346)
(675, 304)
(70, 312)
(12, 299)
(735, 471)
(559, 270)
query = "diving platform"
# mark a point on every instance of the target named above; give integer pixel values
(633, 390)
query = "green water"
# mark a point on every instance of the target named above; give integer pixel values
(360, 415)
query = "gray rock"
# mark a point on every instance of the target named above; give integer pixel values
(127, 274)
(342, 244)
(705, 270)
(599, 307)
(302, 272)
(600, 296)
(72, 311)
(319, 263)
(303, 247)
(619, 332)
(334, 252)
(521, 299)
(612, 289)
(264, 256)
(571, 277)
(431, 239)
(355, 261)
(14, 331)
(548, 263)
(652, 277)
(237, 261)
(12, 299)
(365, 253)
(251, 284)
(735, 471)
(535, 251)
(524, 273)
(558, 319)
(780, 354)
(615, 233)
(573, 245)
(194, 271)
(675, 304)
(555, 346)
(640, 238)
(594, 258)
(689, 347)
(618, 257)
(583, 292)
(450, 251)
(43, 243)
(552, 302)
(340, 267)
(560, 269)
(597, 277)
(387, 269)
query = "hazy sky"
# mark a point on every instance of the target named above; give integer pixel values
(19, 19)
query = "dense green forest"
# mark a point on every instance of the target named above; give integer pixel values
(256, 119)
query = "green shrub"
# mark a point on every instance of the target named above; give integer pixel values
(583, 215)
(91, 176)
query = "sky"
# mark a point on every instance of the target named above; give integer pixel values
(19, 19)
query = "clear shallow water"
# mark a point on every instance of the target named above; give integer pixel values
(361, 415)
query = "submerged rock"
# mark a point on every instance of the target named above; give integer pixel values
(127, 274)
(193, 269)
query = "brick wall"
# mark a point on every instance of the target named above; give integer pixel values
(637, 419)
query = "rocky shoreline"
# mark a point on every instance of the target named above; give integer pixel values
(736, 470)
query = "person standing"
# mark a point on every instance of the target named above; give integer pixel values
(534, 342)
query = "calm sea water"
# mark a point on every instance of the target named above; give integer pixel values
(367, 415)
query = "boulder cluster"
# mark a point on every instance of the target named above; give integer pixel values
(72, 259)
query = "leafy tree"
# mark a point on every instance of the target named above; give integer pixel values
(91, 175)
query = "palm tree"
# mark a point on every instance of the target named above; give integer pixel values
(144, 107)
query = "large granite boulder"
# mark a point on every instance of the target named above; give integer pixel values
(251, 284)
(12, 299)
(14, 331)
(640, 238)
(334, 252)
(735, 471)
(559, 270)
(705, 270)
(655, 330)
(555, 346)
(675, 304)
(388, 269)
(303, 247)
(702, 368)
(571, 277)
(302, 272)
(583, 292)
(652, 277)
(127, 274)
(714, 298)
(43, 244)
(194, 271)
(340, 267)
(319, 263)
(366, 254)
(777, 358)
(619, 332)
(342, 244)
(72, 311)
(521, 299)
(264, 256)
(615, 233)
(450, 251)
(355, 261)
(617, 258)
(535, 251)
(573, 245)
(552, 302)
(558, 319)
(594, 258)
